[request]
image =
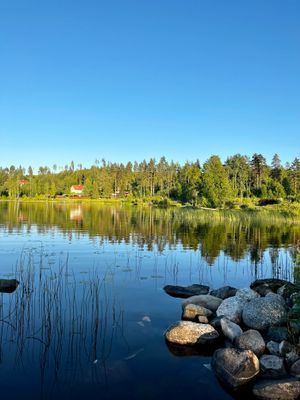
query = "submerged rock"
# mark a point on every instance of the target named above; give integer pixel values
(224, 292)
(8, 285)
(235, 367)
(263, 312)
(186, 291)
(191, 333)
(285, 389)
(251, 340)
(231, 308)
(207, 301)
(192, 311)
(230, 330)
(272, 367)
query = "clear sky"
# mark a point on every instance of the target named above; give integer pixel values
(134, 79)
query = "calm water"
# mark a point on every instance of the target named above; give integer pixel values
(88, 317)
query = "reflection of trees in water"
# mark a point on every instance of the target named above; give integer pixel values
(63, 325)
(234, 233)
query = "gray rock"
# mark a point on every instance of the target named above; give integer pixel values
(295, 369)
(224, 292)
(286, 347)
(277, 333)
(287, 290)
(232, 308)
(205, 300)
(291, 358)
(264, 286)
(235, 367)
(263, 312)
(273, 348)
(191, 333)
(246, 294)
(275, 297)
(272, 367)
(230, 329)
(192, 311)
(251, 340)
(285, 389)
(186, 291)
(216, 322)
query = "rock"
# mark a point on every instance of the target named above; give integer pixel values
(230, 329)
(273, 348)
(8, 285)
(186, 291)
(287, 290)
(263, 312)
(272, 367)
(246, 294)
(277, 333)
(192, 311)
(286, 347)
(232, 308)
(235, 367)
(251, 340)
(205, 300)
(191, 333)
(224, 292)
(291, 358)
(295, 369)
(285, 389)
(216, 322)
(276, 297)
(202, 319)
(264, 286)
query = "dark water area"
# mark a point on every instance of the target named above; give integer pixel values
(88, 317)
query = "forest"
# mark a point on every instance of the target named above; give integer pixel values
(213, 184)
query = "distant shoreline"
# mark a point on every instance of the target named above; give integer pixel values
(284, 209)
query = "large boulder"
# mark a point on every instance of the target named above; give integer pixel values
(230, 330)
(251, 340)
(191, 334)
(234, 367)
(186, 291)
(264, 286)
(231, 308)
(224, 292)
(285, 389)
(272, 367)
(191, 312)
(263, 312)
(205, 300)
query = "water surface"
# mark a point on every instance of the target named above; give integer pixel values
(88, 317)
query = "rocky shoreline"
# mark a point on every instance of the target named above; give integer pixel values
(251, 333)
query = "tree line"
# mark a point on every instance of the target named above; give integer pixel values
(212, 184)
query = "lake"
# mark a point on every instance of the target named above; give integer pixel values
(88, 317)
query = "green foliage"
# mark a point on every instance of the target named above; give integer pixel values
(240, 182)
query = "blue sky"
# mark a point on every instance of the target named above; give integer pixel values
(134, 79)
